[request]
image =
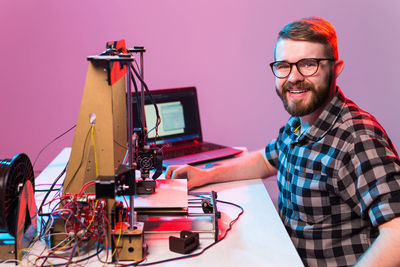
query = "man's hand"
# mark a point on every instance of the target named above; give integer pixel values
(196, 176)
(248, 166)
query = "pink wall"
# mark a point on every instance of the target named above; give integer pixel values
(223, 47)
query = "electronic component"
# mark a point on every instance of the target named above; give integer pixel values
(82, 219)
(105, 187)
(146, 158)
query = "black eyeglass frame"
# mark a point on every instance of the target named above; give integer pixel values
(298, 69)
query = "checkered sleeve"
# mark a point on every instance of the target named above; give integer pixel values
(370, 177)
(271, 150)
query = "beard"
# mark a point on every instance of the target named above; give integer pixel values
(298, 108)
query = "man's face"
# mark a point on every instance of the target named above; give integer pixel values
(303, 95)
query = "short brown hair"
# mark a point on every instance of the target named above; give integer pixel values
(312, 29)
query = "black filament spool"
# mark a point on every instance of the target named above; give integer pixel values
(13, 175)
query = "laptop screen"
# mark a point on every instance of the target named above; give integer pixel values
(179, 112)
(172, 118)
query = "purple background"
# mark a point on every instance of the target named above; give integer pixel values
(223, 47)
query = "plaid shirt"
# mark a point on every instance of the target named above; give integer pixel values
(338, 182)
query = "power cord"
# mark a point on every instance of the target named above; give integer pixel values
(203, 250)
(55, 139)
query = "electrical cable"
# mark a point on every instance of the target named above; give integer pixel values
(116, 244)
(99, 243)
(45, 190)
(51, 189)
(65, 207)
(139, 104)
(80, 164)
(137, 93)
(55, 139)
(94, 147)
(44, 226)
(140, 263)
(203, 250)
(80, 260)
(122, 146)
(140, 109)
(72, 254)
(47, 225)
(136, 63)
(147, 90)
(88, 227)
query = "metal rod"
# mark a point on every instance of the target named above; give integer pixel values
(141, 72)
(132, 214)
(142, 67)
(198, 193)
(201, 214)
(129, 110)
(170, 232)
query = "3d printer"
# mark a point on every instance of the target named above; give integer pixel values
(107, 155)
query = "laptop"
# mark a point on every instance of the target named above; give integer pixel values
(179, 134)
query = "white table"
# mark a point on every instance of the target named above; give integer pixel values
(258, 238)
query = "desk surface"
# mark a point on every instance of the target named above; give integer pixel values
(258, 238)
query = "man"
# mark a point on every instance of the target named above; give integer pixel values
(338, 172)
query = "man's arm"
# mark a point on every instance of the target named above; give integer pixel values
(385, 251)
(250, 166)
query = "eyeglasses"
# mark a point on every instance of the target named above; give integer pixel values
(306, 67)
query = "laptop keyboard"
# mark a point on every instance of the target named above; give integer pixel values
(174, 152)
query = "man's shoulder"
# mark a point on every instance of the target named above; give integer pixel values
(358, 122)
